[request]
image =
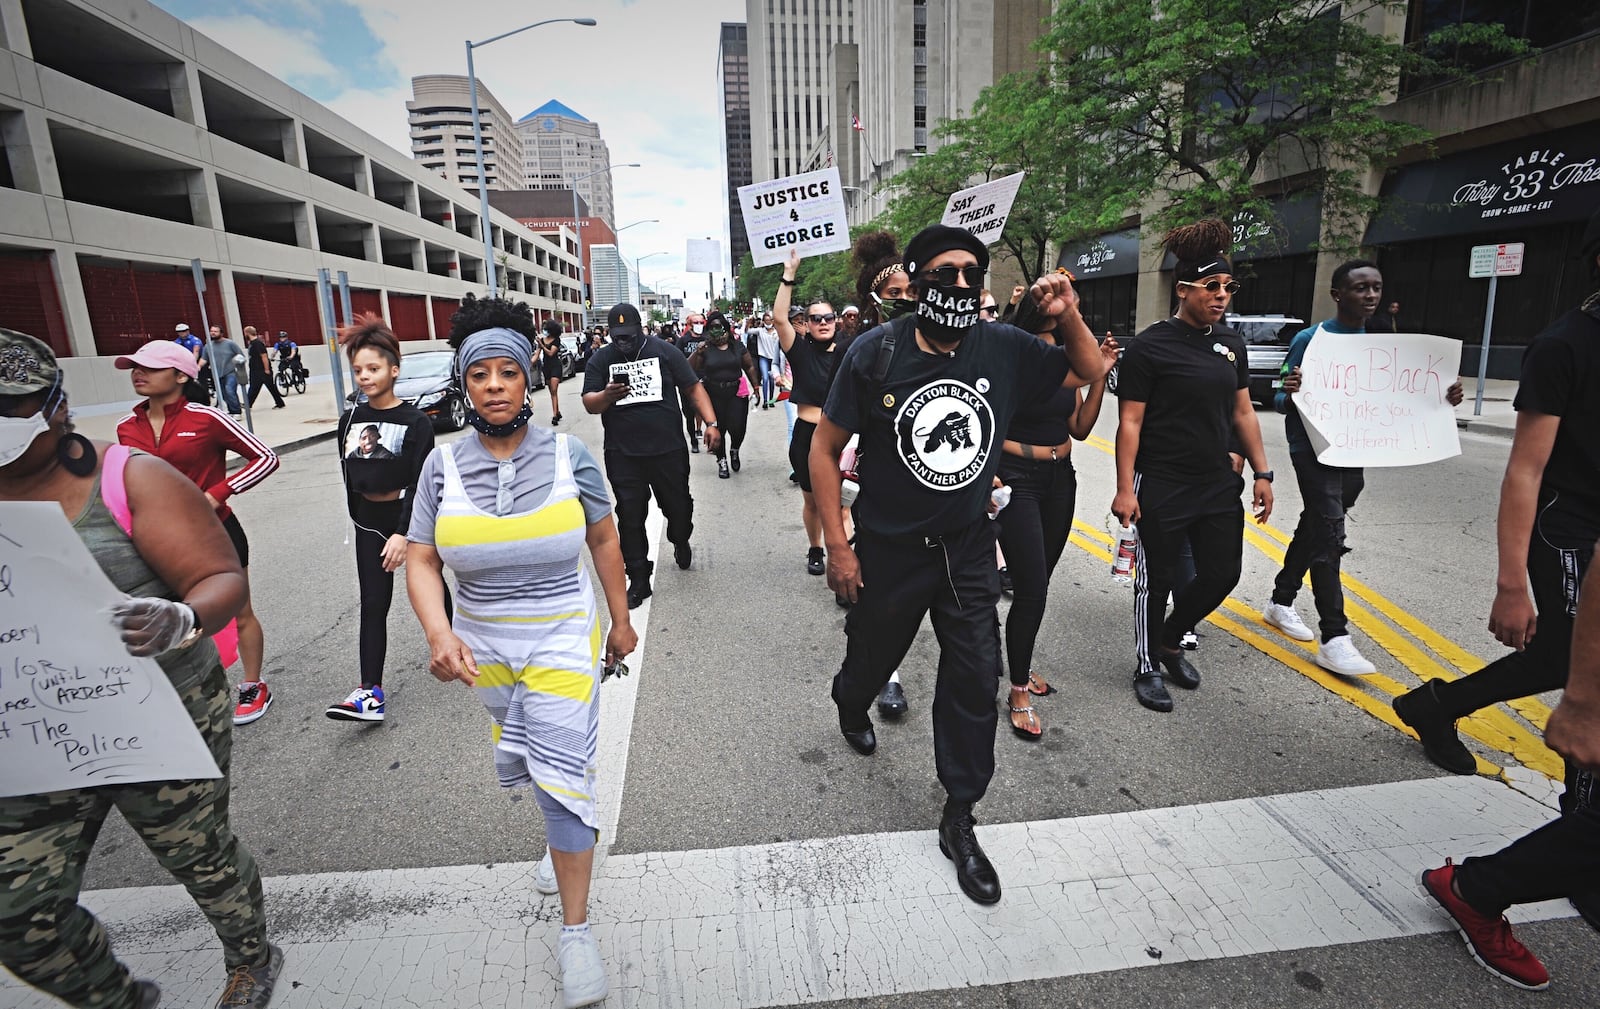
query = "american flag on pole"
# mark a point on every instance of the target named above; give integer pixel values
(855, 123)
(830, 158)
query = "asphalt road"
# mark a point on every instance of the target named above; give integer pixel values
(734, 739)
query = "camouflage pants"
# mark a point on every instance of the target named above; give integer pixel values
(48, 940)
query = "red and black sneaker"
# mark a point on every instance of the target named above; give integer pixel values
(1489, 940)
(254, 700)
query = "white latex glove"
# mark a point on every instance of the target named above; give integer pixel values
(151, 626)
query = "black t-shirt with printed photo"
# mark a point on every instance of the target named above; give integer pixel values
(1189, 380)
(1561, 378)
(931, 431)
(649, 421)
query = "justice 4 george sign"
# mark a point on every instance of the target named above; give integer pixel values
(804, 212)
(1370, 399)
(76, 710)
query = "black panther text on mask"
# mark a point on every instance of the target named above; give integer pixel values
(945, 313)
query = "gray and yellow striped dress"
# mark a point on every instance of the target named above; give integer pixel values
(526, 608)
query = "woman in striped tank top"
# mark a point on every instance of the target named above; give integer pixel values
(509, 510)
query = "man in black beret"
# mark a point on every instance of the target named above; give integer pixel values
(931, 395)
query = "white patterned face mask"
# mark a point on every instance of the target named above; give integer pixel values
(17, 434)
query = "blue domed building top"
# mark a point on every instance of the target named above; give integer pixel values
(553, 108)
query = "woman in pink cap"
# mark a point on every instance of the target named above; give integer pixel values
(196, 439)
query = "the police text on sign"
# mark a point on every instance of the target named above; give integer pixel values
(804, 212)
(983, 209)
(1378, 399)
(76, 710)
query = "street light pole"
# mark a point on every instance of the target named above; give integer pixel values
(485, 226)
(577, 229)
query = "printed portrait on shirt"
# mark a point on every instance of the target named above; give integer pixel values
(374, 441)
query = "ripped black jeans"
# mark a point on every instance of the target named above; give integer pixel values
(1327, 492)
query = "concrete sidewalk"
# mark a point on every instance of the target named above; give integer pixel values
(1498, 418)
(305, 419)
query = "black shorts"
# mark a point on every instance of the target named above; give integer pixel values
(800, 453)
(241, 545)
(551, 366)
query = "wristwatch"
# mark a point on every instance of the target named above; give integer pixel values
(195, 633)
(1265, 474)
(712, 423)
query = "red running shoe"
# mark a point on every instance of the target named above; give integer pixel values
(254, 700)
(1489, 940)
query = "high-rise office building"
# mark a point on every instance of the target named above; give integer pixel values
(733, 78)
(440, 115)
(613, 278)
(559, 148)
(790, 46)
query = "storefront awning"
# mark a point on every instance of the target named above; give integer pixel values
(1112, 255)
(1552, 178)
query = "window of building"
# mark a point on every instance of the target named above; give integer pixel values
(919, 117)
(919, 36)
(1543, 23)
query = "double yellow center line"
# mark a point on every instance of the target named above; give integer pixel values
(1404, 636)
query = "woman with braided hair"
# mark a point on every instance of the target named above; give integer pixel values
(1182, 386)
(883, 285)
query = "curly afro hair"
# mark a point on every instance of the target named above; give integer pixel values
(477, 314)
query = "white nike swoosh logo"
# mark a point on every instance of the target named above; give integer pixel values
(1214, 262)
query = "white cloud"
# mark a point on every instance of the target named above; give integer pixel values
(293, 56)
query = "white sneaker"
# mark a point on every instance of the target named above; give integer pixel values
(1339, 655)
(583, 975)
(544, 875)
(1285, 619)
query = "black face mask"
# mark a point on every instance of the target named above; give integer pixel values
(499, 430)
(626, 344)
(894, 307)
(945, 314)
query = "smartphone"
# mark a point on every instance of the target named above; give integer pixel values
(619, 375)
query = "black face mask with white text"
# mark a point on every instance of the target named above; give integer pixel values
(947, 314)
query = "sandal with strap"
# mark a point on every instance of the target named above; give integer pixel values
(1033, 735)
(1038, 687)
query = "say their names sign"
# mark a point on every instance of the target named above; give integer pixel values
(983, 209)
(76, 710)
(1378, 399)
(804, 212)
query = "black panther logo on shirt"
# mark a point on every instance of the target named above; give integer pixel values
(945, 434)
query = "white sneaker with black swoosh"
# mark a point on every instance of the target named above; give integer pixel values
(365, 704)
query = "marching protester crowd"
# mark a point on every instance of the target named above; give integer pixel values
(932, 445)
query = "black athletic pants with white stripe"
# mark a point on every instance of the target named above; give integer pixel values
(954, 581)
(1211, 517)
(1562, 858)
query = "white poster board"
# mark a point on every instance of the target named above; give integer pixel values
(643, 377)
(76, 710)
(1378, 399)
(703, 255)
(804, 212)
(983, 209)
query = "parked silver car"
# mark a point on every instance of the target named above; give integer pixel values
(1266, 344)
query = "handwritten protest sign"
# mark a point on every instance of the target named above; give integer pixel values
(703, 255)
(76, 710)
(643, 378)
(983, 209)
(1378, 399)
(804, 212)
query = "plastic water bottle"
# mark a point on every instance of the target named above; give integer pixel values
(1122, 561)
(849, 490)
(999, 497)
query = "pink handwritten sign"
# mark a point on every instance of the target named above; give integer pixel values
(1378, 399)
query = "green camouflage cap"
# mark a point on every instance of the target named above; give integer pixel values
(27, 364)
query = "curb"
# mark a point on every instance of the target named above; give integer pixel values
(306, 442)
(1481, 427)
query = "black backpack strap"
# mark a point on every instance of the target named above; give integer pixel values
(880, 367)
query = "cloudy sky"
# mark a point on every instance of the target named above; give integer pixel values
(646, 74)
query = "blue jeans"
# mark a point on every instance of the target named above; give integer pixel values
(230, 391)
(764, 365)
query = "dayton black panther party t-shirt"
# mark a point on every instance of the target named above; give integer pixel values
(931, 431)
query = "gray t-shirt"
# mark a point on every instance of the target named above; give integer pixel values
(535, 464)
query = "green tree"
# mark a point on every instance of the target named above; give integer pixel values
(1193, 101)
(830, 278)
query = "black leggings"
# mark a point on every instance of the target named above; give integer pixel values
(376, 521)
(1212, 518)
(733, 414)
(1033, 533)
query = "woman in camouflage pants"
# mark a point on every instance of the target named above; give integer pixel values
(182, 574)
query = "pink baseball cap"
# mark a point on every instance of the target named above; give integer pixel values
(161, 354)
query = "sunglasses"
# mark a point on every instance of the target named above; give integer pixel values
(992, 310)
(1213, 286)
(946, 276)
(821, 320)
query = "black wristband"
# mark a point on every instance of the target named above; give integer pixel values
(786, 280)
(1265, 474)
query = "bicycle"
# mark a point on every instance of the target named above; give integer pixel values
(290, 377)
